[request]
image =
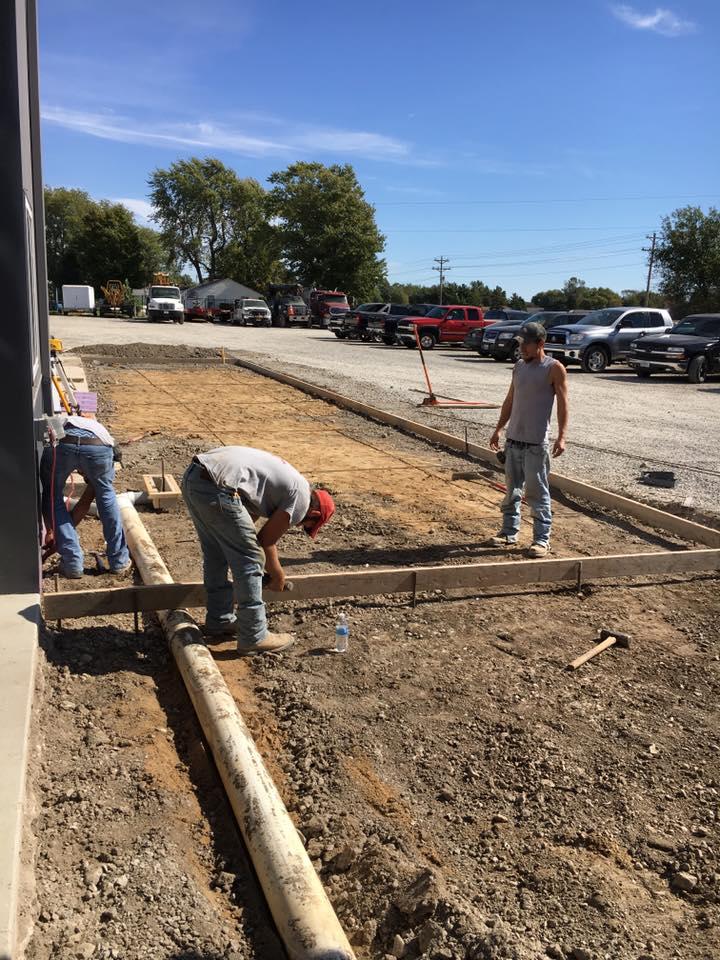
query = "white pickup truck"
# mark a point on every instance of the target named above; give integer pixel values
(164, 303)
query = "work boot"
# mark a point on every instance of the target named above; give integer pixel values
(72, 574)
(499, 541)
(537, 551)
(116, 571)
(271, 643)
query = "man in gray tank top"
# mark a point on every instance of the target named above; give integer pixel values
(537, 380)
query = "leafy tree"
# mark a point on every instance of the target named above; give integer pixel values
(596, 297)
(193, 202)
(516, 302)
(253, 254)
(497, 298)
(575, 295)
(688, 258)
(64, 212)
(109, 246)
(636, 298)
(327, 229)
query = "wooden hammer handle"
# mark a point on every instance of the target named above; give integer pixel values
(598, 648)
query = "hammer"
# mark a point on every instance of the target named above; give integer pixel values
(608, 638)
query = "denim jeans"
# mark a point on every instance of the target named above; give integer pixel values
(229, 541)
(527, 467)
(95, 463)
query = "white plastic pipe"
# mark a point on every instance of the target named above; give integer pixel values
(302, 912)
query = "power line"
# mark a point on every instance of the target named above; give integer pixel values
(499, 229)
(570, 246)
(569, 258)
(521, 276)
(441, 269)
(493, 202)
(651, 251)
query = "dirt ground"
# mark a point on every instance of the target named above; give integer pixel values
(460, 794)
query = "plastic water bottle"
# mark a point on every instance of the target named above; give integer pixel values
(342, 632)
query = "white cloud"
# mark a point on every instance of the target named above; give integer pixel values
(660, 21)
(141, 208)
(305, 140)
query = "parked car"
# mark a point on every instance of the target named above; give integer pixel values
(253, 313)
(501, 340)
(692, 347)
(324, 304)
(604, 336)
(446, 324)
(506, 315)
(353, 324)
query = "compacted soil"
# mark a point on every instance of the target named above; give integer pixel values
(460, 793)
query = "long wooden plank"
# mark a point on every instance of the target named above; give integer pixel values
(363, 583)
(661, 519)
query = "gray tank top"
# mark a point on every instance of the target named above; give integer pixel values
(533, 400)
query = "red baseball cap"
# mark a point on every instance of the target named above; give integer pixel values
(325, 509)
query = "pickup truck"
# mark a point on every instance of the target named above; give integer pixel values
(254, 313)
(692, 347)
(383, 328)
(353, 324)
(446, 324)
(604, 336)
(501, 341)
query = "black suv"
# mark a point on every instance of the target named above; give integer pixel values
(691, 347)
(500, 341)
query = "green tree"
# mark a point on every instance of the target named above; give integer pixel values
(109, 246)
(64, 213)
(327, 229)
(636, 298)
(594, 298)
(688, 258)
(252, 255)
(193, 201)
(497, 298)
(516, 302)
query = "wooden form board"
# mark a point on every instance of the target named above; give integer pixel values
(660, 519)
(473, 576)
(153, 484)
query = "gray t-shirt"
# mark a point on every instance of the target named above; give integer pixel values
(533, 400)
(265, 482)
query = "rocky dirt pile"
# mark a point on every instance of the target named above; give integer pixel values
(135, 352)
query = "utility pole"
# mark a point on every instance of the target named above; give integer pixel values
(442, 270)
(651, 251)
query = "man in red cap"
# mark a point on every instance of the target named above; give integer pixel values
(226, 490)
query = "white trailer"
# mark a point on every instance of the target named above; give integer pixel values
(78, 297)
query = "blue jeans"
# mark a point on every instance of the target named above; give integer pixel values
(229, 541)
(527, 467)
(96, 465)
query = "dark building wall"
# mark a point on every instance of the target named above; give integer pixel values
(24, 370)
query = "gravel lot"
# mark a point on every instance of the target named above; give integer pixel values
(461, 795)
(619, 424)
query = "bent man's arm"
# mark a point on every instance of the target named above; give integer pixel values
(505, 412)
(274, 527)
(559, 381)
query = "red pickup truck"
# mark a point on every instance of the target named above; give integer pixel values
(447, 324)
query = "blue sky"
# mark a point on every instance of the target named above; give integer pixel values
(528, 141)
